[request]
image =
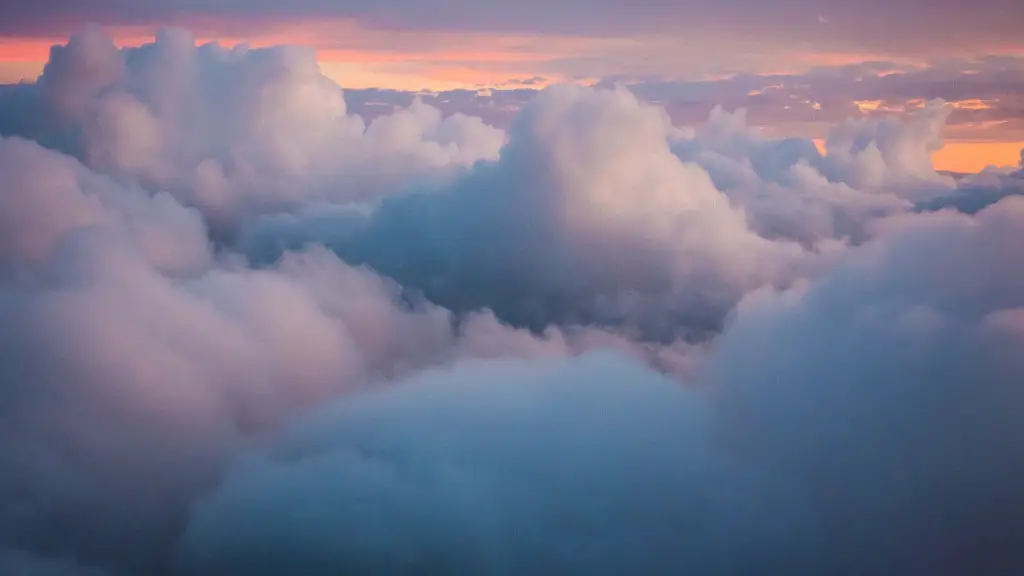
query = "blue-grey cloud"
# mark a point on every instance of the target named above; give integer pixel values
(864, 424)
(595, 466)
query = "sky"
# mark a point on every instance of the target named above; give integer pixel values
(446, 44)
(438, 46)
(511, 288)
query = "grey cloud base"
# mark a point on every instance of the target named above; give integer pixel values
(247, 332)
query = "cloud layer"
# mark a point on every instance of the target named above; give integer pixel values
(985, 93)
(246, 331)
(872, 25)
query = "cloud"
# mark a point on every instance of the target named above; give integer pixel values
(587, 216)
(863, 424)
(873, 153)
(244, 329)
(889, 387)
(127, 339)
(591, 466)
(234, 130)
(884, 392)
(113, 358)
(976, 192)
(791, 191)
(984, 92)
(599, 210)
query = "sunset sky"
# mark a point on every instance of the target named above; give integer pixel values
(912, 50)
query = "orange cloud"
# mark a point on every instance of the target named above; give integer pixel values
(972, 104)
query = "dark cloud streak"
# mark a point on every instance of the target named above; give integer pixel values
(903, 27)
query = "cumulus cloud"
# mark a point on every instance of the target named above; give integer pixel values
(888, 154)
(978, 191)
(876, 152)
(137, 359)
(246, 331)
(596, 466)
(231, 130)
(863, 424)
(600, 210)
(790, 190)
(891, 390)
(587, 216)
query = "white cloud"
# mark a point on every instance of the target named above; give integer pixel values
(233, 130)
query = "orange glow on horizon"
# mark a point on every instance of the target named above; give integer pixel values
(966, 156)
(436, 60)
(972, 104)
(357, 57)
(958, 156)
(361, 58)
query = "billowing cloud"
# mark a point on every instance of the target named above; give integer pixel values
(230, 129)
(587, 216)
(864, 424)
(599, 210)
(595, 466)
(127, 322)
(890, 388)
(247, 331)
